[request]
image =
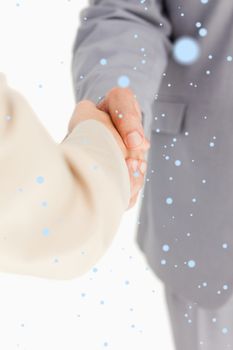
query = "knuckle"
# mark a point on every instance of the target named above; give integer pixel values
(127, 90)
(113, 92)
(119, 91)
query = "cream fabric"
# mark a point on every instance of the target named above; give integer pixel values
(60, 204)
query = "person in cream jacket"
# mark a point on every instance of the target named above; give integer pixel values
(60, 204)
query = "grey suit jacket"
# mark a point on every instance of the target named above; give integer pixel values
(186, 217)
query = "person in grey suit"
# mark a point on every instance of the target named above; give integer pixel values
(176, 56)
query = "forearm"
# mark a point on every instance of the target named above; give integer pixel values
(54, 197)
(131, 40)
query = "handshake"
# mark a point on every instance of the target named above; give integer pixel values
(121, 114)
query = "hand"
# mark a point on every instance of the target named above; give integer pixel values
(85, 110)
(125, 113)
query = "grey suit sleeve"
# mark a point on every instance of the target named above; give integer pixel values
(121, 38)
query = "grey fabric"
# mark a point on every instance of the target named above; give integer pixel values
(187, 114)
(196, 328)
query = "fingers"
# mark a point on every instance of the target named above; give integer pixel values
(137, 169)
(125, 113)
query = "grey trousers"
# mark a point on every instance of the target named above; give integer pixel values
(196, 328)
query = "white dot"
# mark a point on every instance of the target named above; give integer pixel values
(191, 263)
(224, 330)
(202, 32)
(177, 162)
(103, 61)
(123, 81)
(229, 58)
(169, 200)
(186, 50)
(166, 248)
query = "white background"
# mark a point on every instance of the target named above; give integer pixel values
(122, 305)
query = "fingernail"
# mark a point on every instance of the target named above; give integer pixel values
(134, 164)
(143, 167)
(134, 139)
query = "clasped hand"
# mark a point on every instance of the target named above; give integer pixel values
(120, 112)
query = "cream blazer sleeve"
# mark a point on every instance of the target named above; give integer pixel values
(60, 204)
